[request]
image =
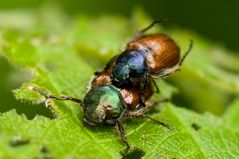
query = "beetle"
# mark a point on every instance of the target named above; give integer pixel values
(147, 57)
(125, 84)
(105, 104)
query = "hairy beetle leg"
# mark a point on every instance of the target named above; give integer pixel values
(122, 134)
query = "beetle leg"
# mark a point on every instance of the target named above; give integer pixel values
(140, 113)
(167, 71)
(122, 134)
(155, 85)
(186, 53)
(143, 84)
(144, 108)
(156, 121)
(156, 102)
(141, 102)
(142, 89)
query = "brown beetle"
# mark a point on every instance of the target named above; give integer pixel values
(121, 89)
(147, 57)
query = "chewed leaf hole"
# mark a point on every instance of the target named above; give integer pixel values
(195, 126)
(18, 141)
(44, 149)
(33, 110)
(135, 154)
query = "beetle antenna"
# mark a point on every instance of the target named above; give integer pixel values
(187, 52)
(153, 23)
(47, 96)
(157, 121)
(76, 100)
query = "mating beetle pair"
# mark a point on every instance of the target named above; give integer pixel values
(126, 83)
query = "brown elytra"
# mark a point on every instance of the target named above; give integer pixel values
(163, 52)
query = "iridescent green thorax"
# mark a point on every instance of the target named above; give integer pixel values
(103, 104)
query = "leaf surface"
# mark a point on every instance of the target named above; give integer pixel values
(63, 60)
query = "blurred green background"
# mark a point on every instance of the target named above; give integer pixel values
(215, 20)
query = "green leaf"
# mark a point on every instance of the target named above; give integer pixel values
(231, 116)
(63, 60)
